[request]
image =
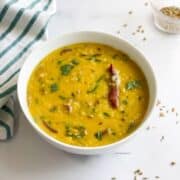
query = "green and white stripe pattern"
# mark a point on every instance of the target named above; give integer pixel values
(22, 25)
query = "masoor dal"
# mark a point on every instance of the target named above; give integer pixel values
(87, 94)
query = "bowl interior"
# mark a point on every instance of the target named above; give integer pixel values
(45, 48)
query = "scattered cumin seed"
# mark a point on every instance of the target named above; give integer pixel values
(173, 109)
(162, 138)
(177, 114)
(161, 114)
(142, 31)
(137, 171)
(118, 32)
(148, 128)
(130, 12)
(144, 178)
(144, 39)
(140, 26)
(167, 111)
(146, 3)
(160, 109)
(133, 33)
(135, 177)
(173, 163)
(157, 177)
(113, 178)
(124, 25)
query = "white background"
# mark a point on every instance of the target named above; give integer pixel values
(28, 157)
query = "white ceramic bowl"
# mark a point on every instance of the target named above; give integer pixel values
(76, 37)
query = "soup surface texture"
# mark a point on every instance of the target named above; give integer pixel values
(87, 95)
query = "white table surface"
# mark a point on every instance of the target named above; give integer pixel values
(28, 157)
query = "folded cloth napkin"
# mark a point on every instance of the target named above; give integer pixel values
(22, 25)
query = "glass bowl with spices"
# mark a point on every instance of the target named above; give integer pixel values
(167, 15)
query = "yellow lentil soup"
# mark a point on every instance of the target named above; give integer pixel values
(87, 94)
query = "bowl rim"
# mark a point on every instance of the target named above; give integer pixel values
(64, 146)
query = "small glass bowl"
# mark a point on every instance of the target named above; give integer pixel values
(163, 22)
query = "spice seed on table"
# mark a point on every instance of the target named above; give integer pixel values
(113, 178)
(173, 109)
(124, 25)
(162, 138)
(137, 30)
(146, 3)
(173, 163)
(161, 114)
(138, 172)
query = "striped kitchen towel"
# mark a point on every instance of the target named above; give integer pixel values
(22, 24)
